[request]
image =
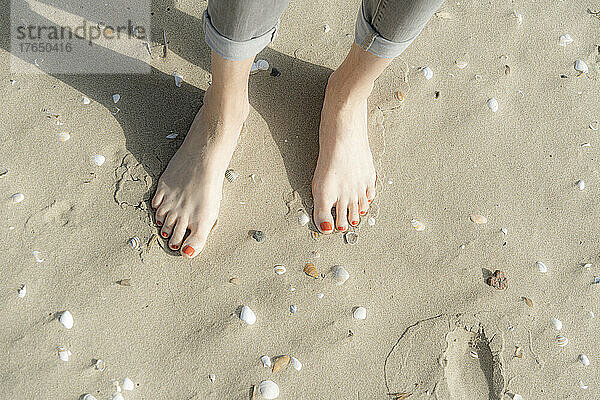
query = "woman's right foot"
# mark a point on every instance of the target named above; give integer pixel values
(189, 191)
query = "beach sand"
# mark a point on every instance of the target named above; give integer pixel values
(439, 160)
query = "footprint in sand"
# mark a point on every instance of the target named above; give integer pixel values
(448, 357)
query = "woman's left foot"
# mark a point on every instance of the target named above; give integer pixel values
(345, 175)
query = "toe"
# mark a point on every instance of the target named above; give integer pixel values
(341, 215)
(371, 189)
(363, 204)
(158, 198)
(167, 228)
(159, 217)
(353, 213)
(178, 233)
(194, 244)
(322, 215)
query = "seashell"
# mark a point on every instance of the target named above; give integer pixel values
(172, 135)
(528, 301)
(247, 315)
(504, 230)
(474, 354)
(63, 353)
(266, 360)
(3, 171)
(418, 225)
(22, 291)
(99, 159)
(296, 363)
(100, 365)
(320, 295)
(17, 197)
(116, 97)
(443, 15)
(292, 289)
(212, 377)
(234, 281)
(269, 390)
(311, 270)
(125, 282)
(360, 313)
(557, 324)
(64, 136)
(293, 309)
(371, 221)
(518, 352)
(586, 145)
(594, 125)
(351, 237)
(498, 280)
(541, 266)
(581, 66)
(518, 16)
(88, 397)
(427, 73)
(315, 235)
(280, 363)
(259, 236)
(461, 64)
(591, 314)
(340, 275)
(565, 40)
(581, 385)
(507, 70)
(303, 219)
(128, 384)
(399, 95)
(134, 242)
(587, 265)
(279, 269)
(584, 360)
(562, 341)
(326, 28)
(231, 175)
(478, 219)
(86, 101)
(517, 397)
(596, 280)
(262, 65)
(66, 319)
(178, 79)
(316, 254)
(117, 396)
(580, 184)
(36, 255)
(492, 103)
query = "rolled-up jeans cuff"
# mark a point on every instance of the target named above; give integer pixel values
(367, 38)
(232, 50)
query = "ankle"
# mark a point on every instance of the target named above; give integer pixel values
(228, 104)
(347, 90)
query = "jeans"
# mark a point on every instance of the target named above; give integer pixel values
(240, 29)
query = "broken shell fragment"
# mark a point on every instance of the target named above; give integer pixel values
(478, 219)
(562, 341)
(234, 281)
(134, 242)
(88, 397)
(399, 95)
(565, 40)
(581, 385)
(360, 313)
(584, 360)
(66, 318)
(212, 377)
(528, 301)
(557, 323)
(418, 225)
(178, 79)
(311, 270)
(22, 291)
(351, 237)
(580, 184)
(99, 159)
(581, 66)
(594, 125)
(100, 365)
(247, 315)
(3, 171)
(63, 353)
(296, 363)
(64, 136)
(315, 235)
(231, 175)
(86, 101)
(116, 97)
(473, 354)
(280, 363)
(17, 197)
(492, 103)
(266, 360)
(427, 73)
(269, 390)
(128, 384)
(340, 275)
(326, 28)
(293, 309)
(541, 267)
(279, 269)
(371, 221)
(518, 352)
(461, 64)
(259, 236)
(172, 135)
(303, 219)
(37, 255)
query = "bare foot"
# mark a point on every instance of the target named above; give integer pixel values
(189, 192)
(345, 176)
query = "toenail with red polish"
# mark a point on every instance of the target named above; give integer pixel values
(354, 222)
(362, 213)
(188, 250)
(325, 226)
(164, 234)
(340, 228)
(175, 247)
(158, 223)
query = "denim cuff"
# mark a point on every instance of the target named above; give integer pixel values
(232, 50)
(367, 38)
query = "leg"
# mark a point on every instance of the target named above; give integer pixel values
(189, 191)
(345, 176)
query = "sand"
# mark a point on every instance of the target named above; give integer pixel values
(439, 160)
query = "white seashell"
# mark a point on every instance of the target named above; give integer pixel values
(116, 97)
(340, 275)
(517, 397)
(492, 103)
(22, 291)
(581, 66)
(178, 79)
(371, 221)
(418, 225)
(427, 73)
(581, 385)
(461, 64)
(360, 313)
(565, 40)
(134, 242)
(595, 125)
(320, 295)
(128, 384)
(580, 184)
(63, 353)
(303, 219)
(478, 219)
(562, 341)
(100, 365)
(586, 145)
(86, 101)
(351, 237)
(99, 159)
(587, 265)
(293, 309)
(66, 319)
(473, 354)
(172, 135)
(326, 28)
(266, 360)
(557, 324)
(591, 314)
(18, 197)
(504, 230)
(36, 255)
(212, 377)
(584, 360)
(88, 397)
(117, 396)
(519, 17)
(64, 136)
(231, 175)
(541, 266)
(279, 269)
(296, 363)
(262, 65)
(247, 315)
(269, 389)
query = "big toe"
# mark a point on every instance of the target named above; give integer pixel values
(322, 216)
(195, 242)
